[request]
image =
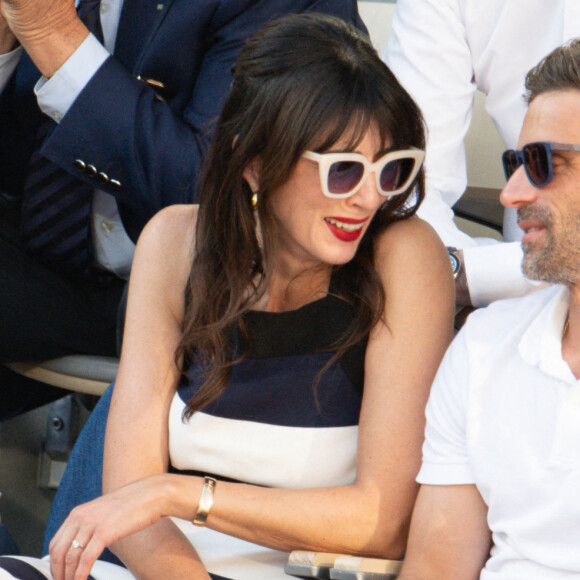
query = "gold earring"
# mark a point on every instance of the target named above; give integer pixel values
(254, 187)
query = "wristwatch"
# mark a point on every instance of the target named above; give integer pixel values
(455, 261)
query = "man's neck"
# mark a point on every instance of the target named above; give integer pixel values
(571, 333)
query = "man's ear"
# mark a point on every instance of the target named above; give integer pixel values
(251, 174)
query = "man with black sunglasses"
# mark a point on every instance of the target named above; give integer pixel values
(501, 460)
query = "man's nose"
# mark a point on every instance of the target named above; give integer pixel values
(518, 191)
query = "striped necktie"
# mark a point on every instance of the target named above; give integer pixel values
(56, 206)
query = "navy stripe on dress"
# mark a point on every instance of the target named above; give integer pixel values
(284, 352)
(280, 391)
(22, 570)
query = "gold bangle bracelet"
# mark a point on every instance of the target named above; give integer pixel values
(205, 501)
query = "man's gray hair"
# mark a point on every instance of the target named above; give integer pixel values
(559, 71)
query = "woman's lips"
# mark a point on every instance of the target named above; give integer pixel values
(345, 229)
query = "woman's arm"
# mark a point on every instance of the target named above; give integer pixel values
(370, 516)
(136, 443)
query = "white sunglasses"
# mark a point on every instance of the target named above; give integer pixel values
(342, 174)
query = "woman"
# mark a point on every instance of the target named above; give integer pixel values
(295, 366)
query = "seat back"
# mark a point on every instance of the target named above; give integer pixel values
(81, 373)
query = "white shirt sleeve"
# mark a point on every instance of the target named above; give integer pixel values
(8, 63)
(57, 94)
(429, 52)
(494, 271)
(445, 454)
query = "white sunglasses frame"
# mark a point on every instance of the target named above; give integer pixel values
(325, 160)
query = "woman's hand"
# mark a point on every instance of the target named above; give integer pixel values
(93, 526)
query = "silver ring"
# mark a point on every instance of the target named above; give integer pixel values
(77, 544)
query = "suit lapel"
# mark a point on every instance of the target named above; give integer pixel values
(139, 21)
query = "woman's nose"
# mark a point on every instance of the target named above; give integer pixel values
(368, 195)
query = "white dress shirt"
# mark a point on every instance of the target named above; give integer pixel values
(113, 248)
(504, 414)
(442, 51)
(8, 63)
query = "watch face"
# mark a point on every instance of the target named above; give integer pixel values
(454, 263)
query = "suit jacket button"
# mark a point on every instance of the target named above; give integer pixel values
(79, 164)
(115, 183)
(91, 170)
(103, 177)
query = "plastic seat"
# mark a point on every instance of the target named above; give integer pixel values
(81, 373)
(328, 566)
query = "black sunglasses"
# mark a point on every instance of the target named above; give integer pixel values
(536, 159)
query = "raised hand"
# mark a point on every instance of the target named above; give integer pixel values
(49, 30)
(7, 39)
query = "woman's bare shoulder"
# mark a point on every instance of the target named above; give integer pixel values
(174, 224)
(171, 229)
(409, 238)
(167, 241)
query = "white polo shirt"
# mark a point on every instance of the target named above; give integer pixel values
(504, 414)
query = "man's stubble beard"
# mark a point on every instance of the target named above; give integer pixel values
(557, 258)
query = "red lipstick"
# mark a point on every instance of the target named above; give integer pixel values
(345, 229)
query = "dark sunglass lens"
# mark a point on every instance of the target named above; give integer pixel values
(344, 176)
(537, 163)
(510, 162)
(395, 174)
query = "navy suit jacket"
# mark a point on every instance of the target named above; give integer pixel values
(146, 142)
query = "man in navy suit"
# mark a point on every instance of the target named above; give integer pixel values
(132, 118)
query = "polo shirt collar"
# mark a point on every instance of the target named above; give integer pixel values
(541, 343)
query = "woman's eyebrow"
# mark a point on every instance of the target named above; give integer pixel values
(377, 155)
(385, 150)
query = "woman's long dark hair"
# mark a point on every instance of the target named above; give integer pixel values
(304, 82)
